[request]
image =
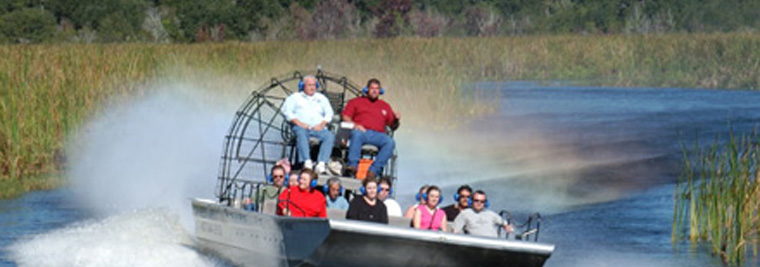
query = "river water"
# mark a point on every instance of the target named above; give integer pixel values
(599, 164)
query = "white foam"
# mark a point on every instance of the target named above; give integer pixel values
(141, 238)
(158, 150)
(137, 164)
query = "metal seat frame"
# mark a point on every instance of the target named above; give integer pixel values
(260, 135)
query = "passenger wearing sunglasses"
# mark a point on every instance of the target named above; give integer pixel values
(394, 209)
(462, 198)
(273, 190)
(478, 220)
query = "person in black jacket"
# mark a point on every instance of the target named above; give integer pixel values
(368, 207)
(462, 198)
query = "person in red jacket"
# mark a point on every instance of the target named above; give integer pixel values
(370, 116)
(302, 200)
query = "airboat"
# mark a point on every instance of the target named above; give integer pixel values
(247, 234)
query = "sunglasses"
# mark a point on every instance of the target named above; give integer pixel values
(385, 189)
(479, 201)
(278, 176)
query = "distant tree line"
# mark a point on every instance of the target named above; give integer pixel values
(39, 21)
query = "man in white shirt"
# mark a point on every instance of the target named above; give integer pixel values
(393, 208)
(478, 220)
(309, 112)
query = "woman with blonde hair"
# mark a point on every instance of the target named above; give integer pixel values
(429, 216)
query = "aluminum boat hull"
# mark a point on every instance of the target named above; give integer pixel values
(256, 239)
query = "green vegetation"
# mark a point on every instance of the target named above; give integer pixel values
(10, 188)
(718, 198)
(47, 91)
(86, 21)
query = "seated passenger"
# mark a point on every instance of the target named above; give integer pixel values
(310, 112)
(368, 207)
(390, 204)
(462, 198)
(335, 200)
(303, 200)
(429, 216)
(420, 202)
(478, 220)
(370, 116)
(272, 191)
(293, 180)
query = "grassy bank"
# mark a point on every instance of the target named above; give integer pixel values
(16, 187)
(49, 90)
(718, 198)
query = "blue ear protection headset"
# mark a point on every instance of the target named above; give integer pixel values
(313, 183)
(469, 203)
(418, 196)
(364, 190)
(425, 197)
(300, 85)
(456, 197)
(326, 189)
(365, 90)
(464, 187)
(271, 180)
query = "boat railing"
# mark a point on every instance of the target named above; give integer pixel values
(521, 230)
(243, 194)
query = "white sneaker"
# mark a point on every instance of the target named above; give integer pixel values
(308, 164)
(321, 168)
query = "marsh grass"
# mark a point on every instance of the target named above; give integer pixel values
(718, 198)
(11, 188)
(49, 90)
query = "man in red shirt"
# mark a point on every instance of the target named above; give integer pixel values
(370, 116)
(302, 200)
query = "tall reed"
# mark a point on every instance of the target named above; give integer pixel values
(718, 197)
(47, 91)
